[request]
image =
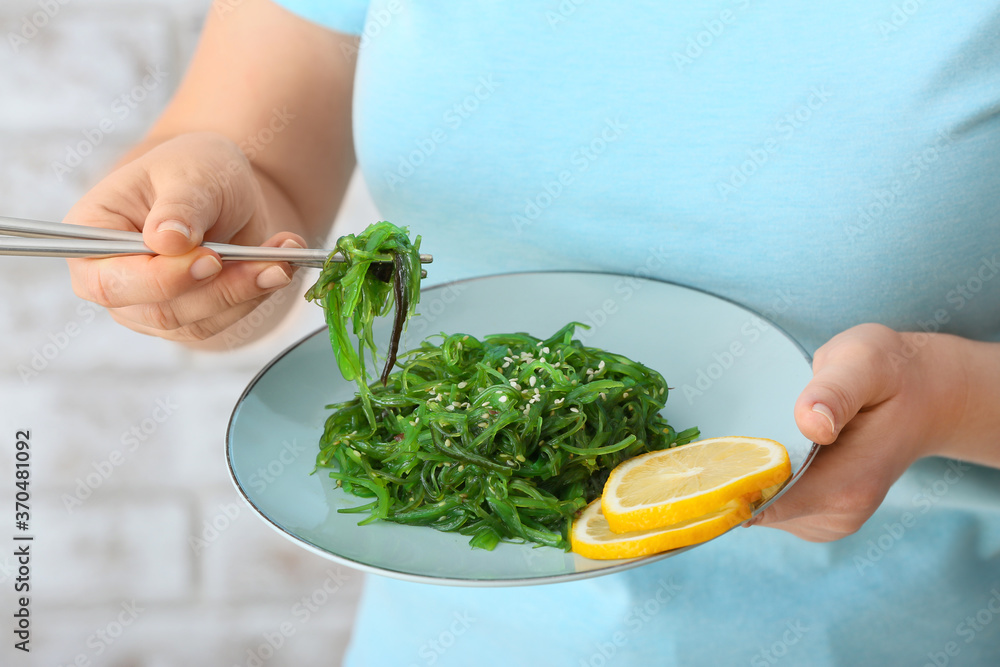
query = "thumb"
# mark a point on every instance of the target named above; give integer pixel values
(180, 215)
(849, 376)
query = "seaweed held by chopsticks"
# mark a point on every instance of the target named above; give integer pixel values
(503, 438)
(356, 291)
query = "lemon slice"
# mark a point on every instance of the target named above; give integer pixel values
(591, 536)
(669, 486)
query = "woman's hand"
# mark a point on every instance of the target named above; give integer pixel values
(191, 188)
(266, 84)
(878, 401)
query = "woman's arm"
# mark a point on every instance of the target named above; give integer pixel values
(255, 148)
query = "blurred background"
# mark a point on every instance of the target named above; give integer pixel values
(144, 554)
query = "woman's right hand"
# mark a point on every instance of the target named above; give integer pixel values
(194, 187)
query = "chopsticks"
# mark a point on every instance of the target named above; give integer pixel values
(54, 239)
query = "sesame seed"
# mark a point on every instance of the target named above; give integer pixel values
(447, 442)
(505, 364)
(520, 457)
(482, 424)
(450, 407)
(604, 396)
(531, 381)
(463, 385)
(545, 350)
(573, 410)
(559, 401)
(600, 366)
(503, 399)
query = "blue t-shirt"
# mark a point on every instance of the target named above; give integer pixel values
(826, 164)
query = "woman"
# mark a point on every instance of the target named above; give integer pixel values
(840, 158)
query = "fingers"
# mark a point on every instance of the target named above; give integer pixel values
(119, 282)
(839, 491)
(851, 372)
(124, 281)
(194, 331)
(215, 303)
(231, 296)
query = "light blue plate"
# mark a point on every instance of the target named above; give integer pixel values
(732, 373)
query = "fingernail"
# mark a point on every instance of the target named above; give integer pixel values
(174, 226)
(751, 522)
(819, 408)
(205, 267)
(289, 243)
(272, 277)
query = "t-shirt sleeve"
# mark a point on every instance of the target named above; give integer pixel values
(347, 16)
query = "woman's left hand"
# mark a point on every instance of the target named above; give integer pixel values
(878, 401)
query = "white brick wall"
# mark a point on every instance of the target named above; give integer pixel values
(114, 522)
